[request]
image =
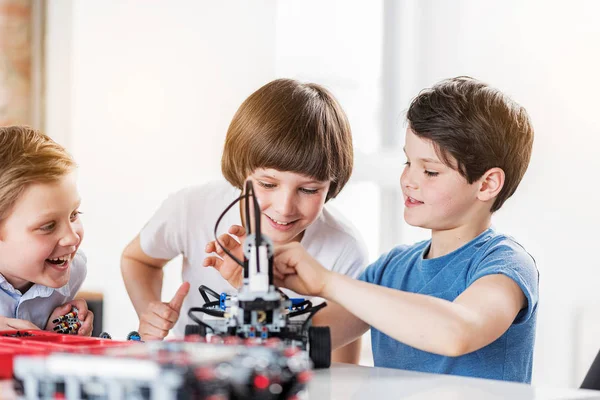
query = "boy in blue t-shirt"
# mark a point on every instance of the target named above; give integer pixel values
(465, 301)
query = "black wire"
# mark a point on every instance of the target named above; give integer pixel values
(285, 296)
(247, 191)
(305, 311)
(302, 304)
(258, 238)
(199, 321)
(313, 311)
(234, 258)
(212, 312)
(203, 294)
(203, 289)
(258, 232)
(208, 311)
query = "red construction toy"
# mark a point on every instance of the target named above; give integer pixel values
(50, 365)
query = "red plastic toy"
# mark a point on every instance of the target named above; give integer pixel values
(31, 342)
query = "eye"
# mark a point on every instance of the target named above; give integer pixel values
(407, 163)
(49, 227)
(266, 185)
(431, 173)
(309, 191)
(75, 216)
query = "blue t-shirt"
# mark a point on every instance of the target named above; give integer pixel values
(508, 358)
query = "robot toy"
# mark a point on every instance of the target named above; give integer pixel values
(260, 313)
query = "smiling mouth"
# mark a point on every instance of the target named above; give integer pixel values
(59, 260)
(413, 201)
(281, 222)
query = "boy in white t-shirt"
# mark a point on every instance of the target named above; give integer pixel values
(294, 142)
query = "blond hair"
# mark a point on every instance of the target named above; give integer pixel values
(290, 126)
(28, 156)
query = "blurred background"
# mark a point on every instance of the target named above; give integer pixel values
(142, 92)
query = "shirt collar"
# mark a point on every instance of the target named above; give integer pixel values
(8, 288)
(36, 290)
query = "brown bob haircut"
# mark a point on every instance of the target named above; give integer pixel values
(28, 156)
(477, 126)
(290, 126)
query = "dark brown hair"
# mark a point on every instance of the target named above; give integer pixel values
(476, 125)
(28, 156)
(290, 126)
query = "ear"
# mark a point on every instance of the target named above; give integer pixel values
(490, 184)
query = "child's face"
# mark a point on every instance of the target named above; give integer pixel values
(289, 202)
(41, 235)
(436, 196)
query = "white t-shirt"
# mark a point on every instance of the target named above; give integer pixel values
(185, 223)
(39, 301)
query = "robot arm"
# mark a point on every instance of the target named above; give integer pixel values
(258, 249)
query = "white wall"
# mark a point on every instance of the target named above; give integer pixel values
(142, 94)
(347, 61)
(147, 90)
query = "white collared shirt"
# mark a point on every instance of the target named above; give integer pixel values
(39, 301)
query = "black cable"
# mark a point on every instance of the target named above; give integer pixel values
(306, 310)
(247, 191)
(212, 312)
(234, 258)
(208, 311)
(199, 321)
(203, 289)
(313, 311)
(203, 294)
(207, 303)
(258, 237)
(285, 296)
(257, 231)
(301, 304)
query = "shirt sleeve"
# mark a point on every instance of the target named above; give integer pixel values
(353, 259)
(163, 236)
(372, 274)
(510, 259)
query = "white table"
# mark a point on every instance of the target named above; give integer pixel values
(351, 382)
(345, 381)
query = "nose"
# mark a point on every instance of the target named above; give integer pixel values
(407, 180)
(70, 237)
(286, 203)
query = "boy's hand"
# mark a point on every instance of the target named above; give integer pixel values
(295, 269)
(9, 324)
(159, 318)
(227, 267)
(85, 316)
